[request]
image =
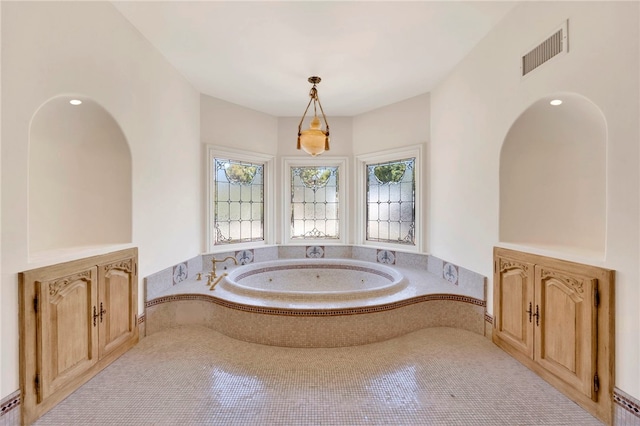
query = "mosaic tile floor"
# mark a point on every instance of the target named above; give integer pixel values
(435, 376)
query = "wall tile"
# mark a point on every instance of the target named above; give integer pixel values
(244, 257)
(412, 260)
(337, 252)
(344, 327)
(626, 410)
(435, 265)
(292, 252)
(158, 283)
(488, 326)
(364, 253)
(265, 254)
(142, 327)
(10, 410)
(207, 266)
(473, 283)
(160, 317)
(195, 265)
(314, 252)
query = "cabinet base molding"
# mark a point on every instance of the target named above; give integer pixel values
(76, 318)
(557, 318)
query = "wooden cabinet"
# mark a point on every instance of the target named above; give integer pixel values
(68, 343)
(75, 319)
(117, 305)
(556, 317)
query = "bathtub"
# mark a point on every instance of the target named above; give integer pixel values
(314, 280)
(316, 303)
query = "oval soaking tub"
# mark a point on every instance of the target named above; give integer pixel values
(314, 280)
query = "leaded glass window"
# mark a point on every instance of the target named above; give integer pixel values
(314, 203)
(238, 203)
(391, 202)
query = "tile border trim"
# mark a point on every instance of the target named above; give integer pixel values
(626, 402)
(10, 402)
(314, 312)
(141, 318)
(488, 318)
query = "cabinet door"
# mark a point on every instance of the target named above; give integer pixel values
(68, 334)
(566, 333)
(118, 303)
(513, 300)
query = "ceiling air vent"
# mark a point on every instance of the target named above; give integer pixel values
(557, 43)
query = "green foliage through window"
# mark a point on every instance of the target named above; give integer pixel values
(390, 173)
(314, 177)
(240, 173)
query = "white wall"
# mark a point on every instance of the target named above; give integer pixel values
(474, 107)
(3, 347)
(553, 177)
(233, 126)
(399, 125)
(79, 178)
(53, 48)
(402, 124)
(226, 124)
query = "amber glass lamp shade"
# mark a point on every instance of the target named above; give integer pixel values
(313, 140)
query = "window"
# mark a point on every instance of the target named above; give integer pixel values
(391, 196)
(391, 202)
(237, 202)
(314, 204)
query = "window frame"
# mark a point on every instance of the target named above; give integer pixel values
(390, 155)
(343, 181)
(214, 151)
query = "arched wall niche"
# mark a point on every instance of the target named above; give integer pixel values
(79, 178)
(553, 177)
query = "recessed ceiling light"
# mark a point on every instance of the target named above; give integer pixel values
(75, 101)
(556, 102)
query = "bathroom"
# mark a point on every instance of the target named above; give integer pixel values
(461, 126)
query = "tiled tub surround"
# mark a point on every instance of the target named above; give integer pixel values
(428, 300)
(416, 267)
(165, 279)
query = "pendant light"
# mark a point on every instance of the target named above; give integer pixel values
(314, 140)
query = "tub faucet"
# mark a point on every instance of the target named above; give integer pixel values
(212, 283)
(214, 261)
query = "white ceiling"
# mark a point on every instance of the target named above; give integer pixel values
(260, 54)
